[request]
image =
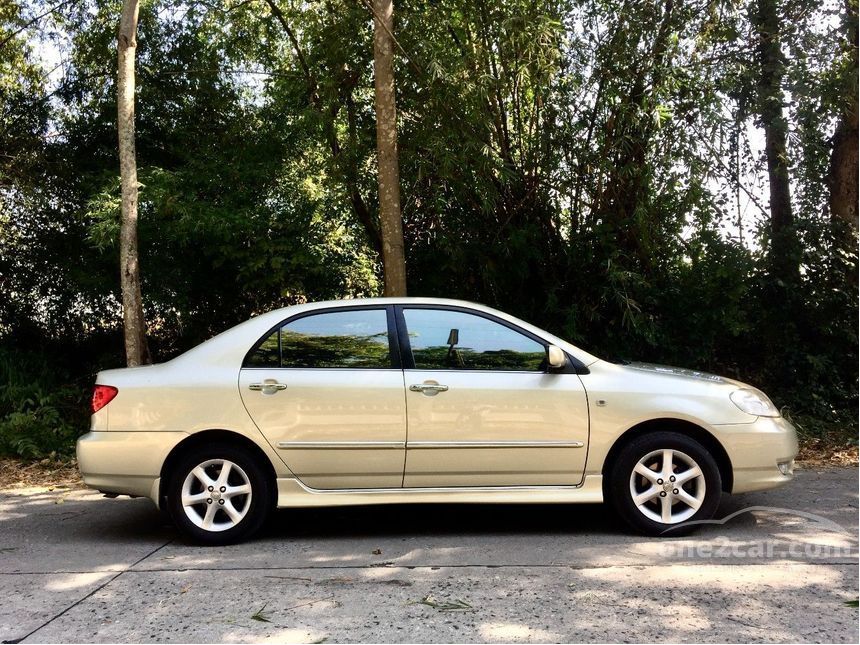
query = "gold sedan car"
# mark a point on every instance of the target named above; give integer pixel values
(393, 400)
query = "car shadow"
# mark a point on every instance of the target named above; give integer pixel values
(405, 520)
(412, 520)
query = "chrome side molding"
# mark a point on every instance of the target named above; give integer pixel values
(341, 445)
(495, 444)
(377, 445)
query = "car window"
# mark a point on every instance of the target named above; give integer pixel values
(267, 353)
(442, 339)
(346, 339)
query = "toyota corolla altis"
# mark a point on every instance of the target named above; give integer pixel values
(416, 400)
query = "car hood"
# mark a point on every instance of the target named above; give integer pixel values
(680, 372)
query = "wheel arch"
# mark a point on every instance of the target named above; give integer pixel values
(210, 436)
(682, 426)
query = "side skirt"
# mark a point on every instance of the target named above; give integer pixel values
(292, 494)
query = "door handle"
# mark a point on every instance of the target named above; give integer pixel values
(428, 387)
(267, 387)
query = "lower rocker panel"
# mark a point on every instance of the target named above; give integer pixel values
(292, 494)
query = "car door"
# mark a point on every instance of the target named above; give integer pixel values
(326, 389)
(482, 408)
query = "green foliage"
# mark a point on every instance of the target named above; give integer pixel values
(587, 166)
(41, 413)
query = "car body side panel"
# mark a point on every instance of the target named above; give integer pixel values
(622, 397)
(335, 428)
(496, 429)
(292, 493)
(181, 397)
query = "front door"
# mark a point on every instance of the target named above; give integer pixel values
(482, 407)
(326, 390)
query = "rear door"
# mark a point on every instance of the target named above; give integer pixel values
(482, 407)
(326, 389)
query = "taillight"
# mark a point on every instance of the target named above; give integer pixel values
(102, 395)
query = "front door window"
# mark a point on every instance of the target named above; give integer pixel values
(443, 339)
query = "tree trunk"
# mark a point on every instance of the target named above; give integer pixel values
(843, 175)
(843, 170)
(136, 350)
(391, 222)
(784, 244)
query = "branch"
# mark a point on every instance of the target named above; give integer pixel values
(279, 15)
(34, 21)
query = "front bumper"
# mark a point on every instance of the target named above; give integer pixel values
(756, 451)
(127, 463)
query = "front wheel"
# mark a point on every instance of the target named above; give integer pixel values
(662, 482)
(218, 494)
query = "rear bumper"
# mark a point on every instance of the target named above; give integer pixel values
(756, 450)
(127, 463)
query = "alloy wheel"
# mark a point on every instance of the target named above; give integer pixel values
(667, 486)
(216, 495)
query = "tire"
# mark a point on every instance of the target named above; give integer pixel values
(695, 499)
(226, 514)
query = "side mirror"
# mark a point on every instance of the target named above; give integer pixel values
(454, 337)
(556, 358)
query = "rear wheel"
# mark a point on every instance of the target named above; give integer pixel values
(218, 494)
(663, 481)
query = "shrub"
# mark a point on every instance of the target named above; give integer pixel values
(42, 410)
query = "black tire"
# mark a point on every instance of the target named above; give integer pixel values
(619, 488)
(259, 506)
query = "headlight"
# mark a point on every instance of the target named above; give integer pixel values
(754, 402)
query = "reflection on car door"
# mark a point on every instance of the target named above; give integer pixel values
(326, 389)
(482, 409)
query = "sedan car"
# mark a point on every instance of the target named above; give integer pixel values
(402, 400)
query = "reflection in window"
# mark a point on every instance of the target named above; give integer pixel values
(266, 355)
(346, 339)
(443, 339)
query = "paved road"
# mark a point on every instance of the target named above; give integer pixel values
(75, 567)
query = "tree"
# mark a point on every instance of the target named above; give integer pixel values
(134, 326)
(582, 165)
(843, 174)
(784, 246)
(390, 218)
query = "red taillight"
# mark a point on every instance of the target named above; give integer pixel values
(102, 395)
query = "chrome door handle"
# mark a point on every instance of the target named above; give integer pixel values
(428, 387)
(268, 386)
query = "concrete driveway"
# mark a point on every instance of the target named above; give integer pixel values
(75, 567)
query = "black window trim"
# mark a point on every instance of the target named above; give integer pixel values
(573, 365)
(394, 349)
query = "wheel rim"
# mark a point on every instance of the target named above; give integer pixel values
(667, 486)
(216, 495)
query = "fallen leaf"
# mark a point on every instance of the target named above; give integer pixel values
(260, 616)
(396, 582)
(340, 580)
(444, 605)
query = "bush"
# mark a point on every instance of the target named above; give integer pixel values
(42, 409)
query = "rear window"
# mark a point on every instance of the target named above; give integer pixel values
(355, 339)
